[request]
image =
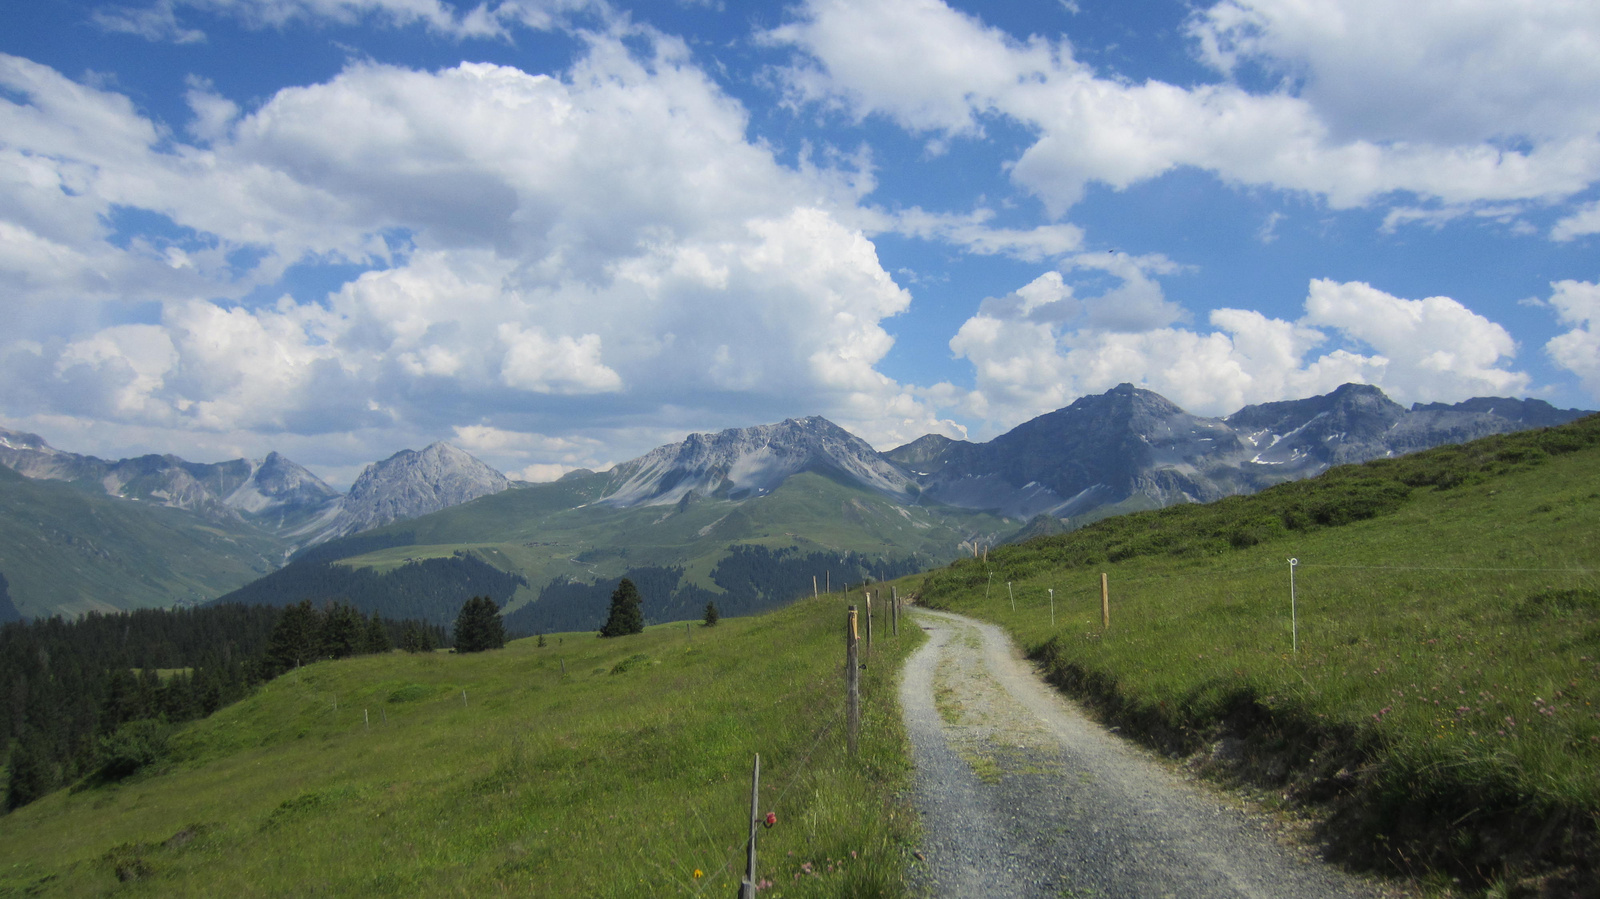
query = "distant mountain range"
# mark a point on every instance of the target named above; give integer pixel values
(747, 517)
(746, 514)
(1131, 449)
(221, 524)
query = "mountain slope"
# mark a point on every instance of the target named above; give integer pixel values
(67, 550)
(275, 493)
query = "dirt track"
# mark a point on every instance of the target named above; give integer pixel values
(1022, 796)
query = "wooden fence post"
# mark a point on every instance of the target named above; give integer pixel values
(869, 625)
(747, 887)
(894, 609)
(1105, 601)
(852, 677)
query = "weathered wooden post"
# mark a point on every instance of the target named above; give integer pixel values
(1012, 595)
(814, 593)
(747, 887)
(869, 624)
(852, 677)
(1052, 607)
(1104, 600)
(894, 609)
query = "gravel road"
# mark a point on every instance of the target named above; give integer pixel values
(1023, 796)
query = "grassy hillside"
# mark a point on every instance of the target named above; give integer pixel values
(584, 768)
(68, 550)
(1437, 688)
(548, 531)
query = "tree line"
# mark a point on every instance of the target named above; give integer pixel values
(752, 578)
(96, 697)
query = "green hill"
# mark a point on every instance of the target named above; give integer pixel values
(556, 538)
(69, 550)
(1433, 684)
(584, 768)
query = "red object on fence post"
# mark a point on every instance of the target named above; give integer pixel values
(747, 887)
(852, 676)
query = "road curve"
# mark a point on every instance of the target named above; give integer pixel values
(1022, 796)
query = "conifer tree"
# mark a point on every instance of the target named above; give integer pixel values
(711, 614)
(343, 631)
(297, 639)
(627, 615)
(416, 638)
(33, 772)
(478, 627)
(377, 637)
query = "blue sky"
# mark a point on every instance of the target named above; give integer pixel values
(558, 233)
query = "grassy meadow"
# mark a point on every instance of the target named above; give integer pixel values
(1436, 686)
(585, 768)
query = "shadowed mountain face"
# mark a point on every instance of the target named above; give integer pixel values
(1131, 448)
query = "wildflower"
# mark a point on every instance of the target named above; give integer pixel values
(698, 873)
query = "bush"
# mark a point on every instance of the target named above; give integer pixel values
(135, 746)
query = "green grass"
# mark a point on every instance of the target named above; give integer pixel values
(620, 777)
(67, 549)
(530, 531)
(1444, 697)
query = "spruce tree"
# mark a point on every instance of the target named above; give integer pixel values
(478, 627)
(33, 771)
(343, 630)
(627, 615)
(711, 614)
(296, 640)
(416, 638)
(377, 637)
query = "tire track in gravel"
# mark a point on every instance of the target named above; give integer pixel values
(1022, 796)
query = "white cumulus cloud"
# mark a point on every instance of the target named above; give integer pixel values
(1499, 102)
(1577, 305)
(1040, 348)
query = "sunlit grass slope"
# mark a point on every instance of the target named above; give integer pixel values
(585, 768)
(1444, 694)
(527, 531)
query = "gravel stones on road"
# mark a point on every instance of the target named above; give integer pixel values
(1023, 796)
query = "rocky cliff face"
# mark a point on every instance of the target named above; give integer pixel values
(410, 483)
(746, 462)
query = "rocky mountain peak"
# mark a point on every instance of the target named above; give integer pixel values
(740, 463)
(411, 483)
